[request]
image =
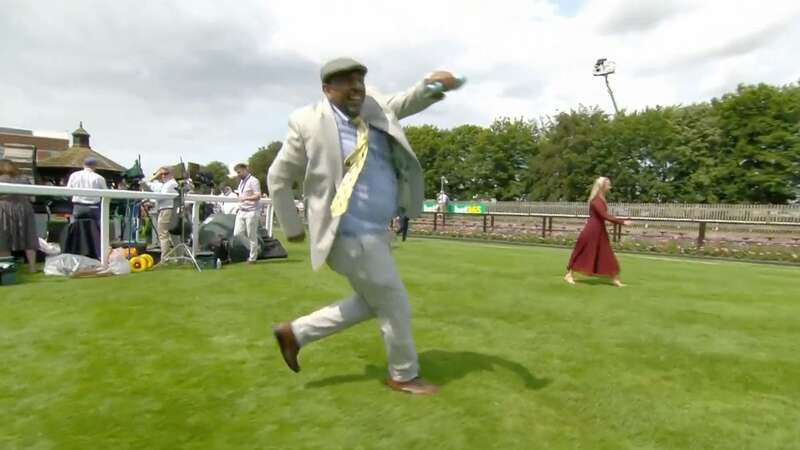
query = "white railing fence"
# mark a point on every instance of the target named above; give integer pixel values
(107, 194)
(683, 211)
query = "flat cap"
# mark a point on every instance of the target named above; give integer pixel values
(340, 65)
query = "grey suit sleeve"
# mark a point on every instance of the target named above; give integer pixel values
(412, 101)
(289, 167)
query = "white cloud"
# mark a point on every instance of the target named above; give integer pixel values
(207, 81)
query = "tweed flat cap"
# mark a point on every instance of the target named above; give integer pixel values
(340, 65)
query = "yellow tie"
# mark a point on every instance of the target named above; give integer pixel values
(354, 163)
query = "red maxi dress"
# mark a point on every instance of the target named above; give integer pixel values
(592, 254)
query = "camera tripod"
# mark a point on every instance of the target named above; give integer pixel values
(186, 254)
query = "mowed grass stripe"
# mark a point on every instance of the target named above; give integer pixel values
(686, 356)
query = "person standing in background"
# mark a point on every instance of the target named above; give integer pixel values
(442, 199)
(402, 226)
(86, 207)
(163, 182)
(17, 220)
(248, 215)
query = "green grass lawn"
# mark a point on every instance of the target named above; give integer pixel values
(692, 354)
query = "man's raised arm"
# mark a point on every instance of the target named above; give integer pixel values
(414, 100)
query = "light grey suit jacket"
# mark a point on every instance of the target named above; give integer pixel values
(312, 154)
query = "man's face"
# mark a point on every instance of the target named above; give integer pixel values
(242, 172)
(346, 91)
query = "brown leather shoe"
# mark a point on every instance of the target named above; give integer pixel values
(288, 344)
(416, 386)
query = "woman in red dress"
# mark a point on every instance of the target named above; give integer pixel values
(592, 254)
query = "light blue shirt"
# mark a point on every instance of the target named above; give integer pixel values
(374, 201)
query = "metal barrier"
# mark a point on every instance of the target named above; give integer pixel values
(105, 201)
(711, 213)
(547, 221)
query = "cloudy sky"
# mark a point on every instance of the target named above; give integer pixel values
(210, 80)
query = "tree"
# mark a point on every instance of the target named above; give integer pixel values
(570, 156)
(220, 172)
(445, 153)
(743, 147)
(260, 161)
(453, 162)
(233, 182)
(697, 148)
(641, 146)
(427, 140)
(761, 143)
(499, 159)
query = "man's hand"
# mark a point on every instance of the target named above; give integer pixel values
(298, 238)
(627, 223)
(446, 78)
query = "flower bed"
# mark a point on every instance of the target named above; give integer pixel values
(756, 251)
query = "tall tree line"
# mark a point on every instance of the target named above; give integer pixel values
(743, 147)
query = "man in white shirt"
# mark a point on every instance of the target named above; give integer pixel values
(166, 207)
(442, 199)
(84, 207)
(246, 228)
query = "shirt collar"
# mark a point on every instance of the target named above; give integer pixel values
(342, 116)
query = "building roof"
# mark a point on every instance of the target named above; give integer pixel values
(73, 159)
(8, 130)
(80, 131)
(74, 156)
(41, 143)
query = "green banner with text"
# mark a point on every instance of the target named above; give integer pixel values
(457, 207)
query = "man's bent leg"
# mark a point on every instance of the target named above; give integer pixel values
(343, 314)
(379, 283)
(331, 319)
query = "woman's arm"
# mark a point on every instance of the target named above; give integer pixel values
(601, 208)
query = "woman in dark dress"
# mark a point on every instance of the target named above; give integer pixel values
(17, 221)
(592, 254)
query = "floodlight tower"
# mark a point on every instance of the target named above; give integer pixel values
(604, 68)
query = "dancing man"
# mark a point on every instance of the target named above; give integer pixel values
(358, 172)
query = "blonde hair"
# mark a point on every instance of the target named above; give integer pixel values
(597, 186)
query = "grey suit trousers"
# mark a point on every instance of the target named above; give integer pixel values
(368, 264)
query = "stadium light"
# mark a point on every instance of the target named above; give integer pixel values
(603, 68)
